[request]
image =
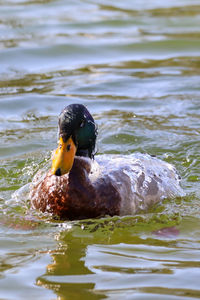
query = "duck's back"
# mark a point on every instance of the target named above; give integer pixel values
(140, 179)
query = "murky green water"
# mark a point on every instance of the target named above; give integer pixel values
(136, 65)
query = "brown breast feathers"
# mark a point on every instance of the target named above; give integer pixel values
(74, 196)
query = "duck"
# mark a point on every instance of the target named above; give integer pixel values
(81, 184)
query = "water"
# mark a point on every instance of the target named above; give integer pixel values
(135, 65)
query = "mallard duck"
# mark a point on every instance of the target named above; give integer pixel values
(79, 186)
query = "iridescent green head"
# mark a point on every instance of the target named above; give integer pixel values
(77, 136)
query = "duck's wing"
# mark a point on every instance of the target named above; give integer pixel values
(140, 179)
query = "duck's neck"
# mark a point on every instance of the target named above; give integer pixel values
(80, 170)
(84, 153)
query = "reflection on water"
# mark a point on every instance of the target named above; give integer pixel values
(135, 65)
(100, 261)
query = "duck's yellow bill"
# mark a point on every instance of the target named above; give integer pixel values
(63, 157)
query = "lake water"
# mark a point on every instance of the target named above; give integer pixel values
(136, 66)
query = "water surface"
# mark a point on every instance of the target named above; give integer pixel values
(135, 65)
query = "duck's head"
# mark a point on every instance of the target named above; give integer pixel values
(77, 136)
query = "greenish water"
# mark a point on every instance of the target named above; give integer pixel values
(136, 65)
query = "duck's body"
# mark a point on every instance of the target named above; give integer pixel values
(77, 186)
(110, 185)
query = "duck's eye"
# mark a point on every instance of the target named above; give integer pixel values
(82, 124)
(68, 147)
